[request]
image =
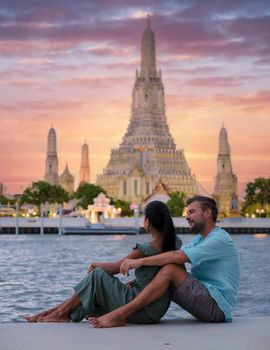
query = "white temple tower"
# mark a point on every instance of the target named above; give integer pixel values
(84, 169)
(51, 171)
(147, 153)
(225, 192)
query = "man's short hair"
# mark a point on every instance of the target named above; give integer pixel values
(205, 203)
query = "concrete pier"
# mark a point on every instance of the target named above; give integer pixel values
(188, 334)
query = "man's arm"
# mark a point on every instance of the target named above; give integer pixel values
(172, 257)
(113, 268)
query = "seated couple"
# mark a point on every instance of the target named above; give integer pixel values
(208, 292)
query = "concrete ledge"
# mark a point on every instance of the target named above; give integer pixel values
(242, 334)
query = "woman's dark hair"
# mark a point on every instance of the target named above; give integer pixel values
(159, 216)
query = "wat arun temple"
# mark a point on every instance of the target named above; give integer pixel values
(147, 161)
(147, 154)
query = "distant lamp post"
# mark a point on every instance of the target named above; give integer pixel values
(259, 212)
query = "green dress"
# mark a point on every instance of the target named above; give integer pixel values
(101, 293)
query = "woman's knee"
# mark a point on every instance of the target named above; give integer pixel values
(98, 272)
(94, 275)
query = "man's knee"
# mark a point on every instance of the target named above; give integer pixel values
(175, 273)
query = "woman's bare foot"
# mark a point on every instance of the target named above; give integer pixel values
(30, 318)
(55, 316)
(112, 319)
(62, 313)
(35, 318)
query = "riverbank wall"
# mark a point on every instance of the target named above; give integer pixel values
(79, 225)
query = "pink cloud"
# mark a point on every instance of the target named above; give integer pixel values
(200, 28)
(96, 82)
(32, 48)
(228, 81)
(103, 51)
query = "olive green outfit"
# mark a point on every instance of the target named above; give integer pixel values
(101, 293)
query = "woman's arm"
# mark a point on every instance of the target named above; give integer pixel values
(172, 257)
(114, 267)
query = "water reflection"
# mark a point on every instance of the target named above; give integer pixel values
(261, 235)
(118, 237)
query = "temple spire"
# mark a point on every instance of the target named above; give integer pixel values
(225, 191)
(147, 153)
(84, 169)
(66, 180)
(224, 147)
(51, 167)
(148, 21)
(148, 51)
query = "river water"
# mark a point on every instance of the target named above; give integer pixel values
(37, 272)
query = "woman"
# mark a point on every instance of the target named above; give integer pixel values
(100, 292)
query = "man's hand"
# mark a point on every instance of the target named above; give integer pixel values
(128, 264)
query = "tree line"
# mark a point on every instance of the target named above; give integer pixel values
(257, 197)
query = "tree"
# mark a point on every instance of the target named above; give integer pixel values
(124, 206)
(86, 194)
(4, 200)
(257, 192)
(42, 192)
(176, 203)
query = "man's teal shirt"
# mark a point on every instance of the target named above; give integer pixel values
(215, 263)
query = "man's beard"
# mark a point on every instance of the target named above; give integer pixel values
(197, 227)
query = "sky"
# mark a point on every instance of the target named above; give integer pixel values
(71, 65)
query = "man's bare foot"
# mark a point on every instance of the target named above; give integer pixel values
(35, 318)
(112, 319)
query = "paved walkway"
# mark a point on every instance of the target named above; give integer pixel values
(242, 334)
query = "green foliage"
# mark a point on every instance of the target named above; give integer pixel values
(257, 195)
(176, 203)
(124, 206)
(4, 200)
(86, 193)
(42, 192)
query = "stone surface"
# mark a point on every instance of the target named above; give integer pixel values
(242, 334)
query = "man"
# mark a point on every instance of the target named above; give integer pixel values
(209, 291)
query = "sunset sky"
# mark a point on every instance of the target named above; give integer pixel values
(71, 64)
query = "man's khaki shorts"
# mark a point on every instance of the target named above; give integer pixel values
(194, 297)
